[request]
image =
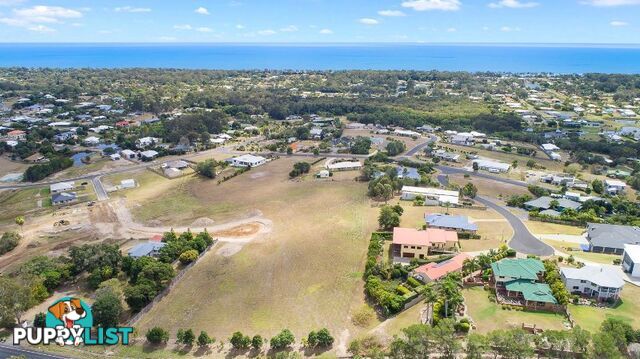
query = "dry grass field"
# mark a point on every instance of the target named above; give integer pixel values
(305, 274)
(7, 166)
(488, 187)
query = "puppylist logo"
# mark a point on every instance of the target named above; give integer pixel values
(69, 322)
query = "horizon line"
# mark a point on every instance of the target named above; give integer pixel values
(346, 43)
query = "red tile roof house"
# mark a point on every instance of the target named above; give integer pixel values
(431, 272)
(409, 243)
(122, 124)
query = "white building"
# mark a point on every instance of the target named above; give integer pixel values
(406, 133)
(332, 165)
(129, 154)
(631, 259)
(614, 186)
(492, 166)
(147, 141)
(463, 138)
(247, 161)
(549, 147)
(127, 183)
(61, 187)
(115, 157)
(148, 155)
(323, 174)
(91, 141)
(437, 194)
(598, 282)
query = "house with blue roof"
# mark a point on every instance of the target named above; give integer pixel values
(408, 173)
(148, 249)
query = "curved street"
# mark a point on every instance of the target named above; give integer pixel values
(522, 241)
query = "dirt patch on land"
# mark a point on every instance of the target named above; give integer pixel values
(240, 231)
(203, 222)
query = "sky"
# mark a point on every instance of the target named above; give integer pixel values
(322, 21)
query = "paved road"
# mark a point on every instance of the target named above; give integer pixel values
(11, 350)
(522, 241)
(101, 193)
(448, 170)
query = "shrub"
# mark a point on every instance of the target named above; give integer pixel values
(257, 341)
(9, 241)
(413, 282)
(363, 316)
(403, 290)
(157, 335)
(240, 341)
(188, 256)
(284, 339)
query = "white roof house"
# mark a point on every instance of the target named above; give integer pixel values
(631, 259)
(149, 154)
(492, 166)
(61, 187)
(247, 161)
(614, 186)
(441, 195)
(91, 140)
(331, 164)
(549, 147)
(601, 282)
(127, 183)
(147, 141)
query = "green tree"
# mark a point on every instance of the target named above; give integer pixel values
(395, 147)
(444, 334)
(470, 190)
(9, 241)
(15, 299)
(20, 222)
(157, 335)
(324, 338)
(282, 340)
(188, 256)
(257, 342)
(531, 163)
(204, 339)
(188, 337)
(477, 346)
(388, 218)
(107, 309)
(207, 168)
(605, 347)
(417, 341)
(240, 341)
(598, 186)
(361, 145)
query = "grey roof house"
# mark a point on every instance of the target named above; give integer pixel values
(611, 238)
(62, 198)
(544, 203)
(593, 281)
(148, 249)
(456, 223)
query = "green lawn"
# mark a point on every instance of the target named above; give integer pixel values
(589, 318)
(489, 316)
(581, 255)
(22, 202)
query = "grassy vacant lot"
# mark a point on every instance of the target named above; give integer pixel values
(490, 316)
(589, 318)
(488, 187)
(493, 228)
(538, 228)
(23, 202)
(304, 275)
(574, 249)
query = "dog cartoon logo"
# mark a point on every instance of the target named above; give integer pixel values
(70, 313)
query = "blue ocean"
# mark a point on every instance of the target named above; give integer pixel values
(499, 58)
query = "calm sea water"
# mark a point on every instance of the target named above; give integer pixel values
(555, 59)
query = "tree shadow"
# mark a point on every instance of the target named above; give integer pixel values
(150, 347)
(316, 351)
(235, 352)
(203, 350)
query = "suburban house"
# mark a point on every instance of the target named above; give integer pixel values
(412, 243)
(446, 156)
(332, 165)
(614, 186)
(63, 198)
(247, 161)
(408, 173)
(436, 195)
(520, 282)
(431, 272)
(91, 141)
(611, 238)
(599, 282)
(62, 187)
(149, 249)
(148, 155)
(545, 203)
(631, 259)
(462, 138)
(492, 166)
(129, 154)
(17, 135)
(147, 141)
(454, 223)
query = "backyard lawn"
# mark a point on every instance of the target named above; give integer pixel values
(571, 248)
(489, 316)
(589, 318)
